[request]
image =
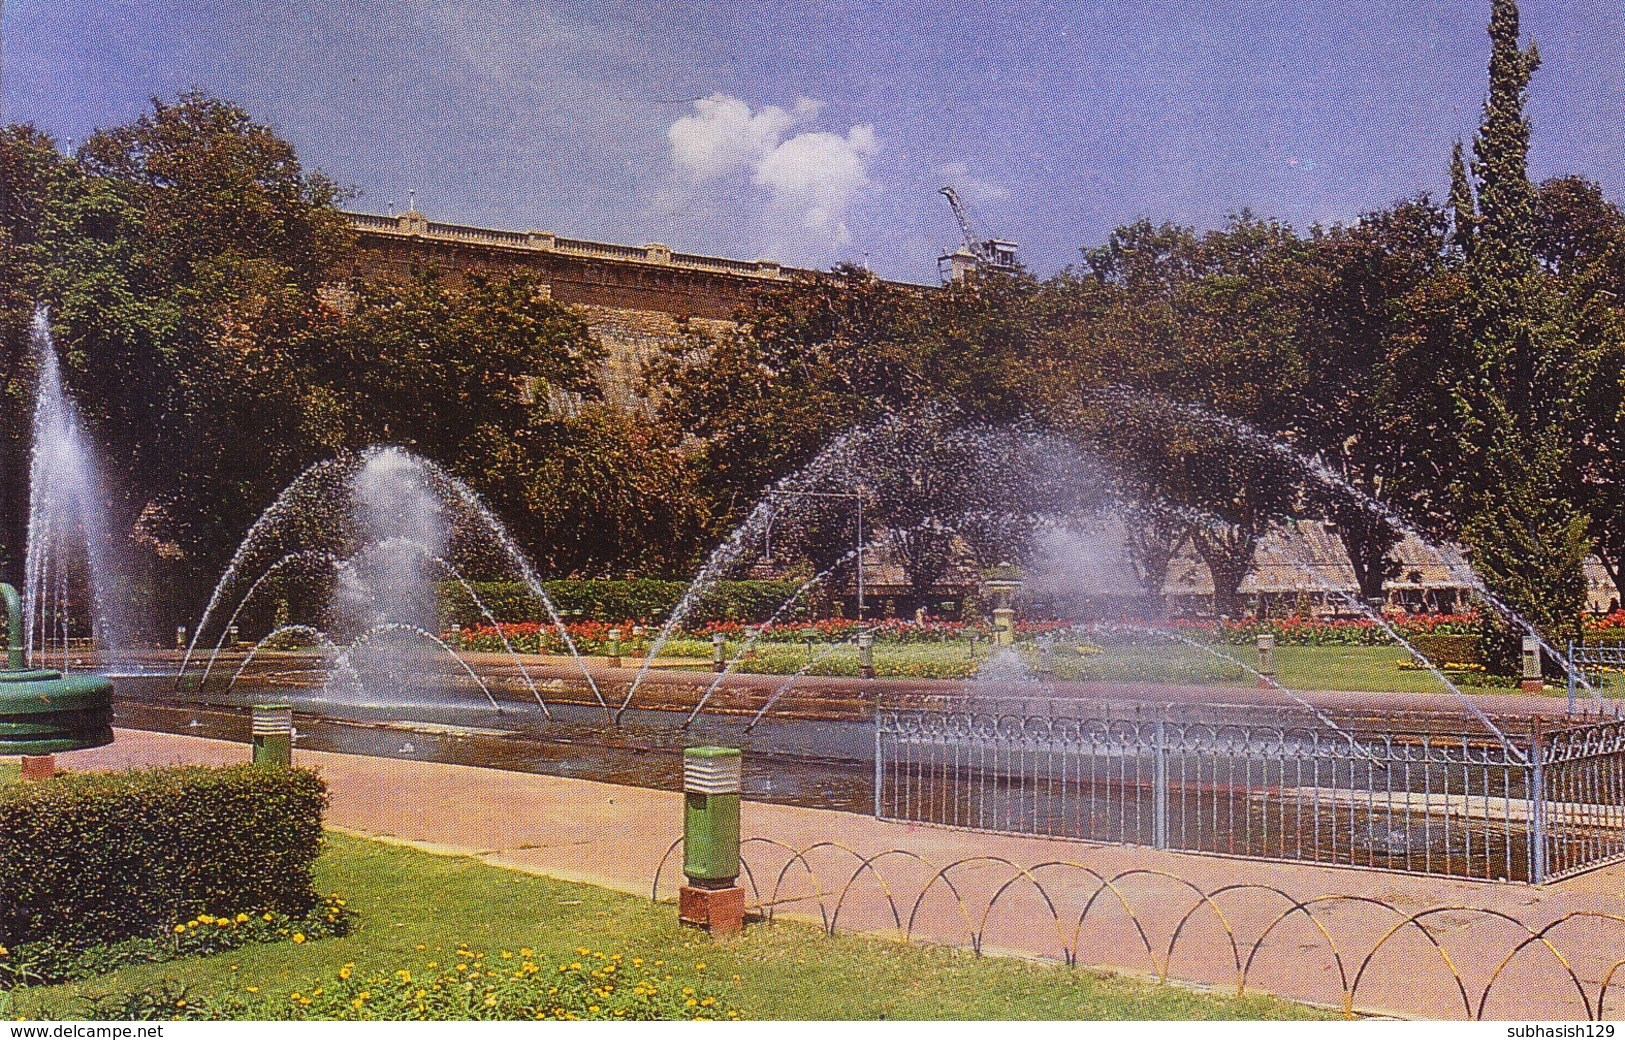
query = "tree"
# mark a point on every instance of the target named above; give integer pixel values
(1580, 241)
(1520, 398)
(1374, 408)
(807, 361)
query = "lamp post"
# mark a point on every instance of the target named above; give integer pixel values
(866, 654)
(712, 899)
(1266, 660)
(273, 735)
(1003, 586)
(1533, 682)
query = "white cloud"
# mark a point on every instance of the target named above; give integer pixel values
(723, 137)
(808, 180)
(971, 187)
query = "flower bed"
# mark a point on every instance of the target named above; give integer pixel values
(469, 986)
(49, 962)
(1315, 631)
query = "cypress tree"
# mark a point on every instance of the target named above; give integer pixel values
(1523, 371)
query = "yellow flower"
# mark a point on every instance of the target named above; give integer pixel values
(180, 928)
(266, 916)
(524, 951)
(344, 972)
(592, 1007)
(700, 966)
(462, 967)
(253, 989)
(206, 918)
(222, 922)
(298, 937)
(293, 997)
(419, 946)
(506, 955)
(420, 994)
(242, 918)
(365, 994)
(690, 1002)
(581, 951)
(191, 924)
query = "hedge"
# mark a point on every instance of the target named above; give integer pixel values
(642, 600)
(1441, 649)
(96, 858)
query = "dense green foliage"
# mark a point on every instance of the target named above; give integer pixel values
(94, 858)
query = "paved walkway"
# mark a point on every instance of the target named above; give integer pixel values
(1388, 943)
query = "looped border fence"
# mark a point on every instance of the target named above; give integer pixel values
(1072, 896)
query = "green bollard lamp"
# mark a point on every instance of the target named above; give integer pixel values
(43, 712)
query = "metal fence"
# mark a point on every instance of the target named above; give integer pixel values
(1599, 666)
(1423, 794)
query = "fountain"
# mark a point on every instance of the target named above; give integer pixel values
(68, 563)
(42, 711)
(72, 587)
(367, 543)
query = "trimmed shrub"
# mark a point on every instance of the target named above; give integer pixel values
(1442, 649)
(99, 857)
(643, 600)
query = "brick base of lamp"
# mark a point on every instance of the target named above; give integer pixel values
(39, 767)
(720, 911)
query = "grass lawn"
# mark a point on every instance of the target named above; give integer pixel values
(415, 908)
(1358, 668)
(10, 770)
(1374, 668)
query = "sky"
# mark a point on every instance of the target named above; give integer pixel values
(820, 131)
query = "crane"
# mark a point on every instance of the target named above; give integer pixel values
(977, 251)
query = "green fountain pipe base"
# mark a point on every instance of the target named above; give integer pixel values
(41, 712)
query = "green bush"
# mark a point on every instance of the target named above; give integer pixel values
(644, 600)
(95, 858)
(1441, 649)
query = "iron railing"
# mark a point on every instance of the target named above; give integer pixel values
(1599, 667)
(1413, 794)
